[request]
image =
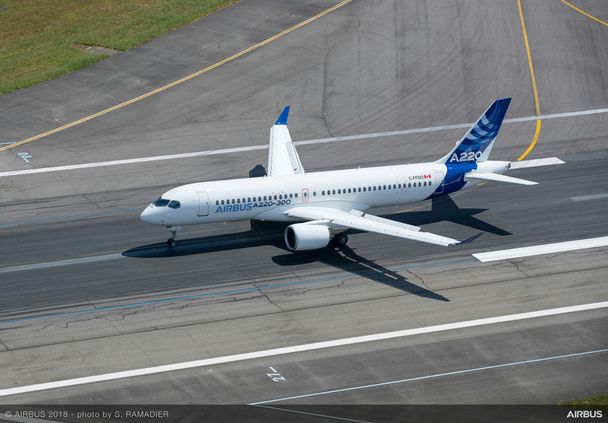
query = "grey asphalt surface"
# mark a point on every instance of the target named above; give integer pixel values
(88, 289)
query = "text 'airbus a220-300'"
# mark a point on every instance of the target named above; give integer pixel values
(329, 203)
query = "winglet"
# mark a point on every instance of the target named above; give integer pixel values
(282, 119)
(471, 239)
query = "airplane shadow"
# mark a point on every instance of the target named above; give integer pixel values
(445, 209)
(342, 257)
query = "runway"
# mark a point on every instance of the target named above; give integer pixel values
(89, 289)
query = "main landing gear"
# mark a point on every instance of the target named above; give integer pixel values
(172, 242)
(340, 239)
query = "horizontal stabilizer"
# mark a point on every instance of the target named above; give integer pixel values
(498, 178)
(524, 164)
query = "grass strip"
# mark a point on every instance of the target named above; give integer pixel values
(42, 39)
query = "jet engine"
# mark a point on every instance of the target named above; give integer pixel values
(302, 236)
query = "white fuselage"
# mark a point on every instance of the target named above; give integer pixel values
(268, 198)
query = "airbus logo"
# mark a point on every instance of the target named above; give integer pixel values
(229, 208)
(584, 414)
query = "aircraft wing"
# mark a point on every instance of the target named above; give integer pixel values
(358, 220)
(283, 158)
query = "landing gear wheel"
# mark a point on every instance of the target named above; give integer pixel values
(340, 239)
(171, 242)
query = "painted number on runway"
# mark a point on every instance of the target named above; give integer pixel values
(25, 156)
(275, 376)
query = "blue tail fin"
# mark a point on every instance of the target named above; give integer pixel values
(476, 145)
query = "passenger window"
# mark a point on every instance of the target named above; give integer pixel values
(175, 204)
(275, 196)
(409, 184)
(280, 196)
(334, 192)
(217, 203)
(399, 186)
(222, 202)
(364, 189)
(314, 193)
(322, 192)
(238, 200)
(359, 189)
(233, 201)
(264, 198)
(296, 194)
(374, 188)
(349, 190)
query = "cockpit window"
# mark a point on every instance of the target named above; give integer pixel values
(161, 202)
(174, 204)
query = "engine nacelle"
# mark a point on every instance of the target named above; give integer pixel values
(302, 236)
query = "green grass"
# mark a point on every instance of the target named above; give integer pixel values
(38, 37)
(592, 401)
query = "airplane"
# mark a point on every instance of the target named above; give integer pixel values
(323, 205)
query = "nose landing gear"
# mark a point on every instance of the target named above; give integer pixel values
(172, 242)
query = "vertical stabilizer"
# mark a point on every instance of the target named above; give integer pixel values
(477, 143)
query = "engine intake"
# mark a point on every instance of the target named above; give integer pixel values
(302, 237)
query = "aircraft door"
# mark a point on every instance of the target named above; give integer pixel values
(438, 182)
(203, 203)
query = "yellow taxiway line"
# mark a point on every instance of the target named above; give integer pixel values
(179, 81)
(584, 13)
(533, 79)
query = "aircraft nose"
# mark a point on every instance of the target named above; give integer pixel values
(148, 215)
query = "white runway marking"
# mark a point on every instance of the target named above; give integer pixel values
(59, 263)
(298, 348)
(590, 197)
(536, 250)
(264, 147)
(433, 376)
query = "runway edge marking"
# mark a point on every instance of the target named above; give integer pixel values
(537, 250)
(298, 348)
(304, 142)
(179, 81)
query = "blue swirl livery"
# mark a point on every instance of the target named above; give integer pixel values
(477, 143)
